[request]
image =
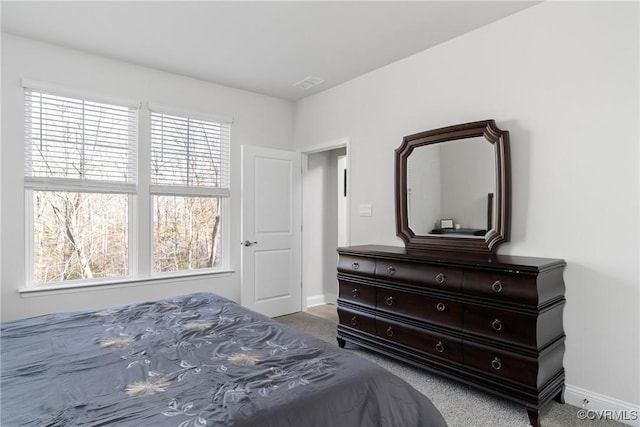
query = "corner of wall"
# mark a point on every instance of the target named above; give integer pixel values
(321, 299)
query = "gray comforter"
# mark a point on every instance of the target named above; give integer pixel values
(195, 360)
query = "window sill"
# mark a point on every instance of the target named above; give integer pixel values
(119, 283)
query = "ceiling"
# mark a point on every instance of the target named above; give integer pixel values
(262, 46)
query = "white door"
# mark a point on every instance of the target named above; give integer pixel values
(271, 231)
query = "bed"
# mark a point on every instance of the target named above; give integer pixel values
(193, 360)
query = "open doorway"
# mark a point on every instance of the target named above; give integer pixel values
(325, 208)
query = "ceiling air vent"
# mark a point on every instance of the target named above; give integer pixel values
(308, 82)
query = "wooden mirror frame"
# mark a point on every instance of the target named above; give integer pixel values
(496, 235)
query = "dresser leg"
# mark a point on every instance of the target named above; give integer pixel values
(534, 416)
(560, 396)
(341, 342)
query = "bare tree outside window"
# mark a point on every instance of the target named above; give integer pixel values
(186, 233)
(79, 236)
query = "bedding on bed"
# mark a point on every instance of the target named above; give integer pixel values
(194, 360)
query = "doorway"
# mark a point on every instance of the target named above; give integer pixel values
(325, 205)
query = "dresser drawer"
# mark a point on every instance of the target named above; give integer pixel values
(352, 264)
(517, 288)
(528, 330)
(423, 308)
(357, 320)
(503, 364)
(426, 341)
(414, 273)
(530, 371)
(357, 293)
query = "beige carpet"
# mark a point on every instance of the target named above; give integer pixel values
(461, 405)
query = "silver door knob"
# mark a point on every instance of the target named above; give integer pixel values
(248, 243)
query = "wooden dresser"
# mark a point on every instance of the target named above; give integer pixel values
(491, 321)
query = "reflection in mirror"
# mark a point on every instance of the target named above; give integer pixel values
(451, 180)
(453, 188)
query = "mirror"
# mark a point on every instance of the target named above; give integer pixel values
(436, 190)
(453, 188)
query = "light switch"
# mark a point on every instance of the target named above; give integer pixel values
(366, 210)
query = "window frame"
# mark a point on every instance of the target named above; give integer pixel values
(222, 193)
(140, 267)
(48, 184)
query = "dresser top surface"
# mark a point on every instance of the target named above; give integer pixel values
(511, 262)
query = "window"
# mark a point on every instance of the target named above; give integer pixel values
(80, 178)
(84, 185)
(189, 190)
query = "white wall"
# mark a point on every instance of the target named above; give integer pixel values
(562, 77)
(258, 120)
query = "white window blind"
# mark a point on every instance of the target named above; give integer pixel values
(189, 156)
(73, 143)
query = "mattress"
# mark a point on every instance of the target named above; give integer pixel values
(192, 360)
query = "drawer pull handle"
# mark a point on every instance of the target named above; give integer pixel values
(390, 301)
(441, 278)
(440, 347)
(391, 270)
(354, 321)
(497, 286)
(440, 307)
(496, 363)
(497, 325)
(355, 293)
(389, 331)
(355, 266)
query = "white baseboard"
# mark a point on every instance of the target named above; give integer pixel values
(321, 299)
(598, 406)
